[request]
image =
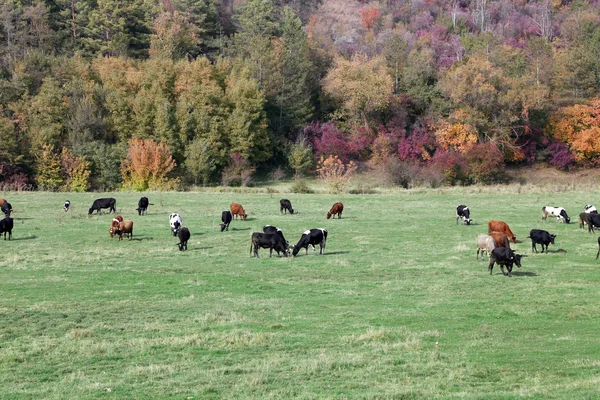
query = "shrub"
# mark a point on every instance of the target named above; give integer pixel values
(238, 172)
(332, 142)
(560, 156)
(49, 175)
(76, 172)
(301, 186)
(452, 165)
(300, 157)
(485, 163)
(147, 165)
(335, 172)
(419, 145)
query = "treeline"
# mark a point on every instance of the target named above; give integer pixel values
(463, 87)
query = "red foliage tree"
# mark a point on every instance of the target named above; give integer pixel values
(370, 17)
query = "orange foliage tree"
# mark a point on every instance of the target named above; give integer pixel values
(370, 17)
(579, 127)
(147, 165)
(76, 171)
(455, 134)
(337, 174)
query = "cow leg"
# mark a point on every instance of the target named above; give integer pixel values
(502, 269)
(534, 247)
(322, 247)
(457, 217)
(340, 216)
(491, 265)
(270, 252)
(598, 253)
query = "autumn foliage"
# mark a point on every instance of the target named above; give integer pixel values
(335, 172)
(579, 127)
(370, 17)
(147, 165)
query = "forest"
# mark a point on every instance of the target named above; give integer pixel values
(151, 94)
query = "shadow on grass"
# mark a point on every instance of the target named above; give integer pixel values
(556, 251)
(240, 229)
(26, 238)
(22, 219)
(198, 248)
(523, 273)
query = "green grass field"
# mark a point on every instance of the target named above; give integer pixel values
(84, 316)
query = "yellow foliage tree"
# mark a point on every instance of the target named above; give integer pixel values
(579, 127)
(147, 165)
(455, 134)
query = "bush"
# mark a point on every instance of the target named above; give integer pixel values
(238, 172)
(301, 186)
(485, 163)
(559, 156)
(147, 165)
(452, 165)
(337, 174)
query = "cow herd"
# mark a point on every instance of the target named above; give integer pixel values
(496, 242)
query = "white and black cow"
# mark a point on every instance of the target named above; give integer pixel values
(66, 205)
(558, 212)
(271, 241)
(464, 213)
(106, 202)
(226, 218)
(504, 256)
(590, 209)
(312, 237)
(175, 222)
(542, 237)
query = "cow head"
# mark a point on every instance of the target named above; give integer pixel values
(291, 210)
(112, 231)
(563, 214)
(552, 238)
(468, 221)
(90, 211)
(223, 226)
(328, 215)
(518, 260)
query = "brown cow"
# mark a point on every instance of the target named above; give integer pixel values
(125, 227)
(500, 226)
(337, 208)
(500, 239)
(237, 209)
(583, 219)
(2, 201)
(116, 221)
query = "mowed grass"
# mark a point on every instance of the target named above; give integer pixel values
(398, 307)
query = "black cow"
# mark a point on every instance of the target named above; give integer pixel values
(593, 221)
(598, 253)
(226, 218)
(312, 237)
(542, 237)
(275, 230)
(6, 208)
(286, 205)
(183, 235)
(504, 256)
(106, 202)
(143, 206)
(6, 226)
(464, 213)
(271, 241)
(66, 205)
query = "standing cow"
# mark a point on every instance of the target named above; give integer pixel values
(6, 226)
(501, 226)
(66, 205)
(175, 222)
(312, 237)
(542, 237)
(285, 205)
(558, 212)
(590, 209)
(6, 208)
(504, 256)
(337, 208)
(271, 241)
(183, 235)
(464, 213)
(593, 221)
(226, 218)
(143, 206)
(237, 209)
(99, 204)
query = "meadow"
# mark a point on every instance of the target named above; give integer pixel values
(398, 307)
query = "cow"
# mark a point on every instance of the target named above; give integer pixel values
(183, 235)
(237, 209)
(583, 219)
(593, 221)
(504, 256)
(66, 205)
(285, 205)
(558, 212)
(311, 237)
(143, 206)
(175, 222)
(590, 209)
(99, 204)
(486, 244)
(226, 218)
(501, 226)
(6, 208)
(271, 241)
(464, 213)
(542, 237)
(275, 230)
(500, 239)
(6, 226)
(116, 221)
(337, 208)
(124, 227)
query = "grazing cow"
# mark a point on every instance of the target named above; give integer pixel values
(542, 237)
(116, 221)
(271, 241)
(311, 237)
(590, 209)
(501, 226)
(583, 219)
(66, 205)
(500, 239)
(558, 212)
(593, 221)
(464, 213)
(504, 256)
(143, 206)
(337, 208)
(237, 209)
(486, 244)
(99, 204)
(125, 227)
(6, 226)
(183, 236)
(286, 205)
(175, 222)
(274, 230)
(6, 208)
(598, 253)
(226, 218)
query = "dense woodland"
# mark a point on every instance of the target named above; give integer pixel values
(104, 94)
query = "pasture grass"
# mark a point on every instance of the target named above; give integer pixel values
(398, 307)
